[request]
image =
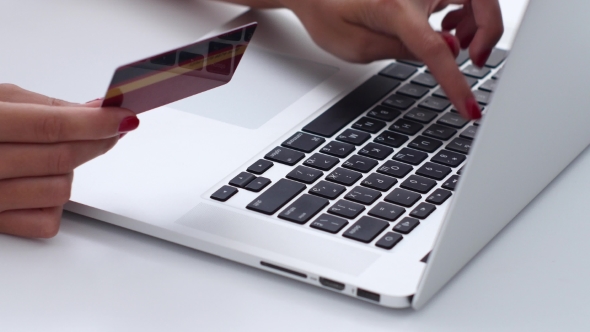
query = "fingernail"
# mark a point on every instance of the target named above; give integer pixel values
(450, 40)
(128, 124)
(473, 109)
(88, 102)
(483, 58)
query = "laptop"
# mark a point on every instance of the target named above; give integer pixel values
(359, 179)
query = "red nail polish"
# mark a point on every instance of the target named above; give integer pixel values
(473, 109)
(128, 124)
(450, 40)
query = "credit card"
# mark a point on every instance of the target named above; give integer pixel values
(177, 74)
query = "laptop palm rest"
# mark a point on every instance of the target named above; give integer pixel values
(262, 234)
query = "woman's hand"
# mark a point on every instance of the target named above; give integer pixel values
(368, 30)
(42, 141)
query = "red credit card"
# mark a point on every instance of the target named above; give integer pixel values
(180, 73)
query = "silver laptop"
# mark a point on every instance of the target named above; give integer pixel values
(360, 179)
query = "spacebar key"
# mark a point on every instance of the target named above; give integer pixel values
(351, 106)
(276, 196)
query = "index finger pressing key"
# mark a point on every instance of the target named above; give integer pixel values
(30, 123)
(415, 31)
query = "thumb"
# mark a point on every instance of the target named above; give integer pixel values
(15, 94)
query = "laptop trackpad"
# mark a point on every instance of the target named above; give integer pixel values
(265, 84)
(308, 248)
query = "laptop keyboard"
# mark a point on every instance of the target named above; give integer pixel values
(393, 148)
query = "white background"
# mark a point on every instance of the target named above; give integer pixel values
(96, 277)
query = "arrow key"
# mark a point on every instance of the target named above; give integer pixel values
(225, 193)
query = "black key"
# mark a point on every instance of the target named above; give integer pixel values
(420, 115)
(471, 81)
(419, 184)
(303, 142)
(434, 171)
(498, 74)
(224, 193)
(258, 184)
(394, 168)
(460, 145)
(328, 223)
(391, 139)
(435, 104)
(344, 176)
(462, 57)
(387, 211)
(402, 197)
(451, 183)
(241, 180)
(423, 210)
(410, 156)
(353, 136)
(327, 190)
(400, 102)
(351, 106)
(363, 195)
(346, 209)
(425, 80)
(303, 209)
(413, 90)
(406, 225)
(475, 72)
(260, 166)
(376, 151)
(406, 127)
(439, 196)
(413, 63)
(384, 113)
(305, 174)
(369, 125)
(285, 156)
(496, 58)
(275, 197)
(448, 158)
(425, 144)
(482, 97)
(440, 93)
(379, 182)
(366, 229)
(389, 240)
(398, 71)
(469, 133)
(439, 132)
(452, 120)
(321, 161)
(361, 164)
(337, 149)
(489, 85)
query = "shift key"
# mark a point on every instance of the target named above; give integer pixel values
(276, 197)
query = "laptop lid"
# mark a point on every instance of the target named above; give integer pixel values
(535, 127)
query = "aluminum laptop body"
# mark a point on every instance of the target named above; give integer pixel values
(159, 180)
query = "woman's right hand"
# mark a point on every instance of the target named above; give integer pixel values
(42, 141)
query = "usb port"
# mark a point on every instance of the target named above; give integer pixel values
(331, 284)
(368, 295)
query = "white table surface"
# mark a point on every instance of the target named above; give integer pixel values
(97, 277)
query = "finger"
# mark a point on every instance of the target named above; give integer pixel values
(452, 19)
(364, 46)
(93, 103)
(32, 160)
(488, 17)
(34, 223)
(466, 31)
(15, 94)
(28, 123)
(39, 192)
(415, 31)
